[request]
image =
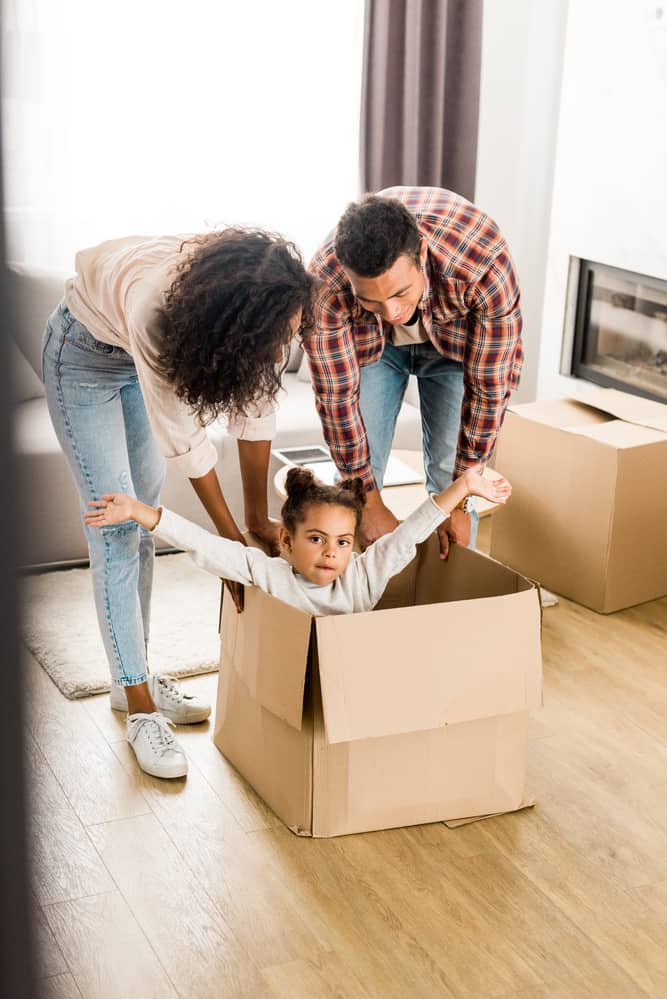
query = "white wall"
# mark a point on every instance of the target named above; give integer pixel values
(610, 186)
(522, 50)
(163, 116)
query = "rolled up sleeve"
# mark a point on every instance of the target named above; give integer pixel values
(259, 424)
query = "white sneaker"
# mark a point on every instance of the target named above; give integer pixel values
(169, 699)
(155, 748)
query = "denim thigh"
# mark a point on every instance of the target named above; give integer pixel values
(100, 420)
(440, 384)
(381, 391)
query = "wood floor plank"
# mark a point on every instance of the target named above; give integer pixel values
(59, 987)
(568, 988)
(65, 864)
(590, 900)
(653, 900)
(626, 839)
(504, 901)
(50, 959)
(538, 993)
(106, 949)
(618, 653)
(496, 922)
(96, 785)
(193, 941)
(111, 724)
(328, 977)
(383, 952)
(252, 898)
(475, 958)
(583, 702)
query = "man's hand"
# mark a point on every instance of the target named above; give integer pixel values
(456, 529)
(377, 519)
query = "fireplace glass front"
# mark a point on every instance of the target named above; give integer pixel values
(620, 334)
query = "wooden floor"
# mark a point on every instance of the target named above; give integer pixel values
(153, 889)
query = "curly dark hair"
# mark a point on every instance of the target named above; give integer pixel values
(304, 490)
(227, 315)
(373, 233)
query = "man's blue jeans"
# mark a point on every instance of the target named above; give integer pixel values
(440, 383)
(100, 419)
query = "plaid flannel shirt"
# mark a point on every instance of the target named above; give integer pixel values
(471, 313)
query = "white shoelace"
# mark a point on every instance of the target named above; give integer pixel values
(171, 688)
(158, 731)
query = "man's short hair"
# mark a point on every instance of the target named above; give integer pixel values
(373, 233)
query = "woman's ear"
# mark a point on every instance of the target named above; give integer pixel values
(285, 541)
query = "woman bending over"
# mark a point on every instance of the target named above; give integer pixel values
(154, 338)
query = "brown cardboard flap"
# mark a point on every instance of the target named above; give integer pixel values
(455, 823)
(631, 408)
(620, 434)
(429, 666)
(270, 651)
(559, 413)
(465, 575)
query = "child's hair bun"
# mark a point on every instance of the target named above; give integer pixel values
(298, 481)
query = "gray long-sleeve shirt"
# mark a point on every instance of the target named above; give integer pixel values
(358, 589)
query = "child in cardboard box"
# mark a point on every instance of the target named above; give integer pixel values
(318, 571)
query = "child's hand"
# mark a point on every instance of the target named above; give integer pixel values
(495, 490)
(113, 508)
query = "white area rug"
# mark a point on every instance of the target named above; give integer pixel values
(60, 626)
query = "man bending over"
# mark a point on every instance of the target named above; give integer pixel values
(415, 280)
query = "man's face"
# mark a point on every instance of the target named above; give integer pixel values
(396, 293)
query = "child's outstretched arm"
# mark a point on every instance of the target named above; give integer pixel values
(220, 556)
(471, 483)
(114, 508)
(392, 552)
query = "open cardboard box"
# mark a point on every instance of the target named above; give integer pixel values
(414, 712)
(588, 515)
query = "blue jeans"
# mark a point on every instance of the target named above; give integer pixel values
(440, 383)
(100, 420)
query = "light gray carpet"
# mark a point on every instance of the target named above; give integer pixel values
(60, 626)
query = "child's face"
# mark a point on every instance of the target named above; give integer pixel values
(320, 548)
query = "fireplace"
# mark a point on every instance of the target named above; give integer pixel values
(616, 329)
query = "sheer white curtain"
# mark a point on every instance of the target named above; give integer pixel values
(147, 116)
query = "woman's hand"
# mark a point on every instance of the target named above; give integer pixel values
(235, 591)
(268, 532)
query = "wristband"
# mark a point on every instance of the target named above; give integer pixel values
(467, 504)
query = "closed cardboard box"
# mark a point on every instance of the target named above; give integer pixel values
(588, 514)
(414, 712)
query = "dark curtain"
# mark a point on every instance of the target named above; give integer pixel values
(420, 98)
